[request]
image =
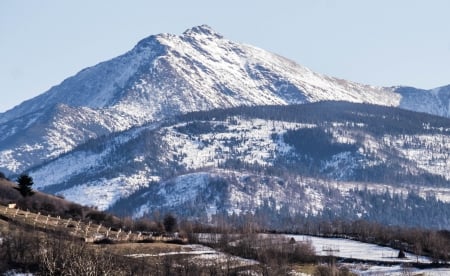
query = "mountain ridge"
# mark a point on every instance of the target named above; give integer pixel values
(157, 46)
(165, 75)
(247, 159)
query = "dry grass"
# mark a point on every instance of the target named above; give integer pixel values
(308, 269)
(76, 228)
(8, 194)
(83, 229)
(42, 225)
(145, 248)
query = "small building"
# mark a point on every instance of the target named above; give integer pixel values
(12, 205)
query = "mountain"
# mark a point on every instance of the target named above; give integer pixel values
(165, 75)
(435, 101)
(205, 127)
(324, 160)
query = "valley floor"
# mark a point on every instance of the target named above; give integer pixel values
(358, 257)
(365, 256)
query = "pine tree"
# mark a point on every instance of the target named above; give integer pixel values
(25, 182)
(170, 223)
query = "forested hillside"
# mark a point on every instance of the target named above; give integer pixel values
(323, 160)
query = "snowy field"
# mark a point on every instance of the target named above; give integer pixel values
(344, 248)
(204, 255)
(397, 270)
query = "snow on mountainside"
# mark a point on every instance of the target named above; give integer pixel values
(46, 134)
(202, 67)
(435, 101)
(310, 159)
(165, 75)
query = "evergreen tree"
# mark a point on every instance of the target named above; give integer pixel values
(170, 223)
(25, 182)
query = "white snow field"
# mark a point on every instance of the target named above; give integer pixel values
(344, 248)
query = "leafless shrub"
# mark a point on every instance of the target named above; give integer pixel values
(145, 224)
(18, 249)
(332, 270)
(47, 254)
(62, 257)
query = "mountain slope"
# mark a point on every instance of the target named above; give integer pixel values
(435, 101)
(165, 75)
(308, 159)
(200, 61)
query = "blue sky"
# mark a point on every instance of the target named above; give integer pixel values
(380, 42)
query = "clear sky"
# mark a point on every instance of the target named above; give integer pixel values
(382, 42)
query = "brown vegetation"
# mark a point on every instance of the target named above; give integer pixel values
(39, 202)
(56, 246)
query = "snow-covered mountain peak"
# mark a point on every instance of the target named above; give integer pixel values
(150, 42)
(202, 31)
(166, 75)
(163, 70)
